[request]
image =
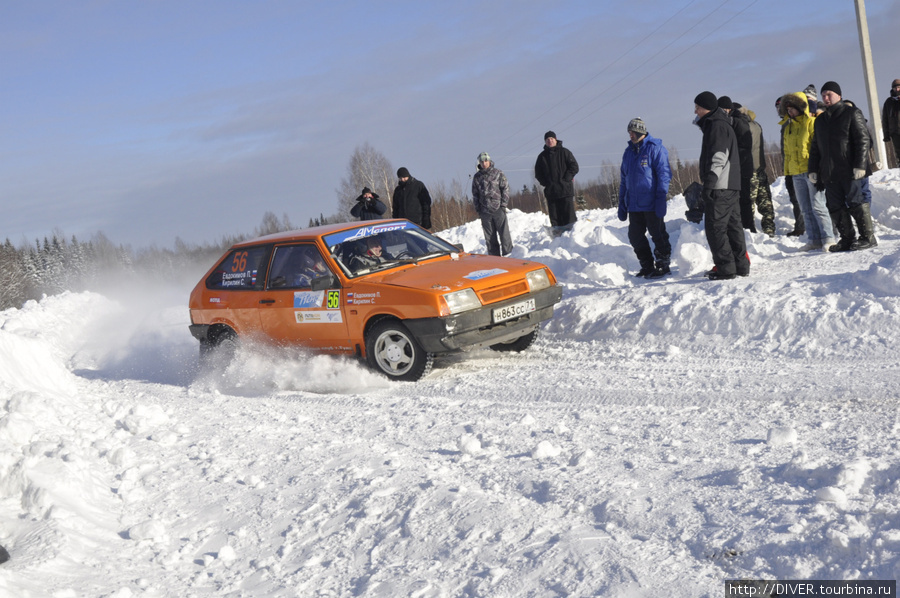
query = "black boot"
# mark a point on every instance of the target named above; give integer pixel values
(862, 214)
(662, 268)
(845, 230)
(646, 270)
(799, 224)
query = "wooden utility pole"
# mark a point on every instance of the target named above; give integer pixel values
(869, 73)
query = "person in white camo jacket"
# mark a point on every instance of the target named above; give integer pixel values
(490, 193)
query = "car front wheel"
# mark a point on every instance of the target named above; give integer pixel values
(394, 351)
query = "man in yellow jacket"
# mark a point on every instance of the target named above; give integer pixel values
(797, 139)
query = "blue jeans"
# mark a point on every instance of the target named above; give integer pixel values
(815, 213)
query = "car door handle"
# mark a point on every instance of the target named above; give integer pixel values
(266, 301)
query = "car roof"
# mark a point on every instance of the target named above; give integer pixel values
(306, 234)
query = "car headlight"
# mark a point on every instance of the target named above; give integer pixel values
(538, 280)
(460, 301)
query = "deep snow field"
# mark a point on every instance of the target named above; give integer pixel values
(660, 437)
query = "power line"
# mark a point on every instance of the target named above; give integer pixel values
(709, 14)
(603, 70)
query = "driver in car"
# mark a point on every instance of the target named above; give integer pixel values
(313, 266)
(372, 256)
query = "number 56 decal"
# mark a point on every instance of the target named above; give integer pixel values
(333, 300)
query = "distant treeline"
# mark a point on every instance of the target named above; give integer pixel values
(55, 264)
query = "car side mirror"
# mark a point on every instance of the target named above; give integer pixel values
(326, 281)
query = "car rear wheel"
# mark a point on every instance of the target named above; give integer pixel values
(218, 350)
(518, 344)
(394, 351)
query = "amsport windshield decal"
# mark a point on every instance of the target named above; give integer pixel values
(365, 231)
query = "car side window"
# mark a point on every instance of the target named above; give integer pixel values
(241, 269)
(296, 266)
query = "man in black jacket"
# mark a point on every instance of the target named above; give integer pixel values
(838, 157)
(368, 206)
(720, 175)
(741, 125)
(555, 170)
(890, 118)
(411, 199)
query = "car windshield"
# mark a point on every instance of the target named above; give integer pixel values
(383, 246)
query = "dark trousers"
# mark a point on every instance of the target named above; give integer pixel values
(799, 225)
(562, 211)
(746, 200)
(895, 139)
(843, 194)
(724, 232)
(641, 223)
(496, 232)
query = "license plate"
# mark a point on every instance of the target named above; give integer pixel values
(501, 314)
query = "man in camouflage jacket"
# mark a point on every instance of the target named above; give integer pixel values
(490, 193)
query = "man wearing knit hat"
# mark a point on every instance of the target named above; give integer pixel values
(643, 190)
(812, 98)
(555, 170)
(720, 175)
(368, 206)
(890, 119)
(411, 199)
(838, 157)
(740, 122)
(490, 193)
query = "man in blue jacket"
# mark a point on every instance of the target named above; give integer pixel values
(643, 191)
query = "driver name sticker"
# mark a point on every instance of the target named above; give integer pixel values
(362, 298)
(318, 317)
(479, 274)
(307, 299)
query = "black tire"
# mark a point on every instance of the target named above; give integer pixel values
(217, 351)
(394, 351)
(519, 344)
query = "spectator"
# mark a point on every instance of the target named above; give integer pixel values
(720, 174)
(890, 119)
(411, 200)
(839, 158)
(760, 192)
(798, 137)
(368, 206)
(799, 224)
(490, 193)
(555, 170)
(643, 191)
(812, 98)
(741, 125)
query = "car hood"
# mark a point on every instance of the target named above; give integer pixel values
(445, 274)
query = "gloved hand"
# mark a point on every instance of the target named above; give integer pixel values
(426, 223)
(660, 208)
(622, 214)
(858, 173)
(813, 177)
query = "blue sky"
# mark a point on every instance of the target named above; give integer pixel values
(149, 121)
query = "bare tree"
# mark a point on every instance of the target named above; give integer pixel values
(367, 168)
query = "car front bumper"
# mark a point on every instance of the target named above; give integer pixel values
(475, 328)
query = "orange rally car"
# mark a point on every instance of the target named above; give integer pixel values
(385, 290)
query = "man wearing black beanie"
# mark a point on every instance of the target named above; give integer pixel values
(720, 175)
(839, 158)
(555, 169)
